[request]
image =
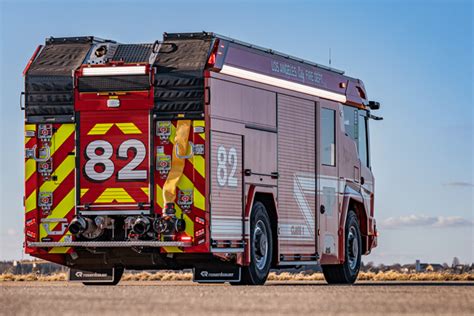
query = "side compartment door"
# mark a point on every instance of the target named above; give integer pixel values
(328, 180)
(226, 190)
(297, 179)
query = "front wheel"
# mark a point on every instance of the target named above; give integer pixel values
(347, 272)
(261, 248)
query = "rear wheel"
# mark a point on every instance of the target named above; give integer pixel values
(261, 248)
(347, 272)
(118, 272)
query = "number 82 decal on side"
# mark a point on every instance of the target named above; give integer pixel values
(227, 166)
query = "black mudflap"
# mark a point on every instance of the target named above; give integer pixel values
(98, 275)
(216, 274)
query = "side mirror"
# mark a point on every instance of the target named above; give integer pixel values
(373, 105)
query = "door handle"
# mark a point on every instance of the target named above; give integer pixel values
(322, 209)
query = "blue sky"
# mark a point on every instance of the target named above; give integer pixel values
(415, 57)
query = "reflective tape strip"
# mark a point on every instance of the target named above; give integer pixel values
(61, 172)
(146, 191)
(100, 129)
(30, 202)
(61, 249)
(114, 194)
(200, 123)
(282, 83)
(186, 184)
(30, 168)
(60, 136)
(128, 128)
(159, 197)
(199, 165)
(84, 191)
(29, 127)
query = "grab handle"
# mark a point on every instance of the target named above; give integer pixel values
(31, 153)
(191, 145)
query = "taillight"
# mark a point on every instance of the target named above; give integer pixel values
(212, 58)
(27, 67)
(186, 238)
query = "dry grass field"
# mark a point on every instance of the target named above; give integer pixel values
(284, 276)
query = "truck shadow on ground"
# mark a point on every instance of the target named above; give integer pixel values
(375, 284)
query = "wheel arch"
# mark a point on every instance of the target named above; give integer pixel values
(267, 197)
(353, 201)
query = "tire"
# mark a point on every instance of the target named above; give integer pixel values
(261, 248)
(118, 272)
(347, 272)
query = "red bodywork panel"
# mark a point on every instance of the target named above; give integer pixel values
(114, 159)
(113, 151)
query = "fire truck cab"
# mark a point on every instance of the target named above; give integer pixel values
(194, 152)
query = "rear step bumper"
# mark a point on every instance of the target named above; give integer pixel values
(111, 244)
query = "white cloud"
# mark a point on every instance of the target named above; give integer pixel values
(460, 184)
(425, 221)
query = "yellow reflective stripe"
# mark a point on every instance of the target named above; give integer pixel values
(61, 249)
(84, 191)
(30, 202)
(114, 194)
(30, 168)
(198, 199)
(29, 127)
(128, 128)
(60, 136)
(100, 129)
(59, 211)
(61, 172)
(146, 191)
(159, 197)
(199, 165)
(177, 164)
(200, 123)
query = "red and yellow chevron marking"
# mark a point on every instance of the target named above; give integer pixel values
(110, 195)
(192, 178)
(128, 128)
(61, 185)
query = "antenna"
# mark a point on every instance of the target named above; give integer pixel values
(329, 56)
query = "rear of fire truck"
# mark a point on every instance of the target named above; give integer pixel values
(115, 156)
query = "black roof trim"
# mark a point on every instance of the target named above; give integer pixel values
(76, 39)
(203, 34)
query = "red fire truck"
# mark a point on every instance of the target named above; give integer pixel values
(197, 151)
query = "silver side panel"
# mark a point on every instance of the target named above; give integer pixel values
(226, 186)
(297, 183)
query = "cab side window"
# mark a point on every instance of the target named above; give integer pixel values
(328, 137)
(363, 144)
(355, 126)
(350, 122)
